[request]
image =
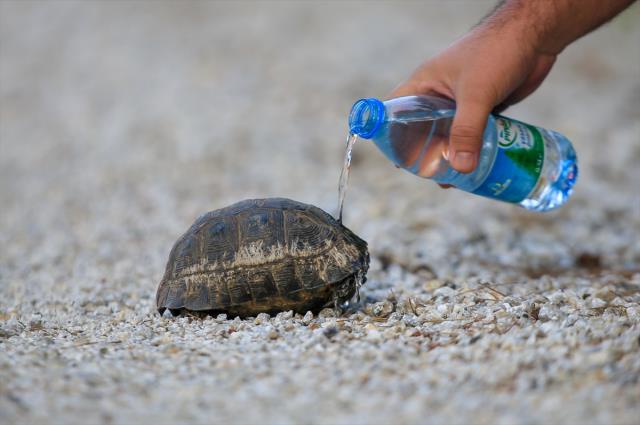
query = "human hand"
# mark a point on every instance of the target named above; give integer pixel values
(486, 70)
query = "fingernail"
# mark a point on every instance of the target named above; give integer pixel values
(464, 160)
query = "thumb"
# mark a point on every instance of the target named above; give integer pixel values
(465, 139)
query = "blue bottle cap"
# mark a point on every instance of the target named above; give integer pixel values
(366, 117)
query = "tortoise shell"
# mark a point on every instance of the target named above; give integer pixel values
(262, 255)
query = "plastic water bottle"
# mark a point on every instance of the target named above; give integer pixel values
(518, 163)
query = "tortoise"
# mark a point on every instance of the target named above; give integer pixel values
(262, 256)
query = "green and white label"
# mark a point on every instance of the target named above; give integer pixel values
(518, 162)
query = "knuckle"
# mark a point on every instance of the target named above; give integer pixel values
(424, 86)
(465, 136)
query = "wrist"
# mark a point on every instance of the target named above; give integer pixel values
(529, 24)
(551, 25)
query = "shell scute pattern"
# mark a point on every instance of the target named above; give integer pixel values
(262, 255)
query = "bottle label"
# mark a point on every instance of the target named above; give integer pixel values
(518, 163)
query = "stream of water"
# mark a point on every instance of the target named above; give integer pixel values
(344, 175)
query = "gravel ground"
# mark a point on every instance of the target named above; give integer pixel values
(122, 122)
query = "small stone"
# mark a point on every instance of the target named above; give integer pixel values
(433, 284)
(327, 313)
(547, 312)
(36, 325)
(444, 291)
(273, 334)
(382, 309)
(308, 317)
(413, 332)
(373, 333)
(160, 340)
(330, 331)
(262, 318)
(410, 320)
(284, 315)
(558, 298)
(442, 309)
(394, 317)
(605, 294)
(597, 302)
(633, 312)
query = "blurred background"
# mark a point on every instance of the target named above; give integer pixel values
(121, 122)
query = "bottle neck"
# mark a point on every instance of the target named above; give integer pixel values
(366, 117)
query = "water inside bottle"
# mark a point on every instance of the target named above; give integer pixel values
(518, 163)
(344, 175)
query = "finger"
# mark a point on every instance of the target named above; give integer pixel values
(406, 88)
(422, 83)
(465, 139)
